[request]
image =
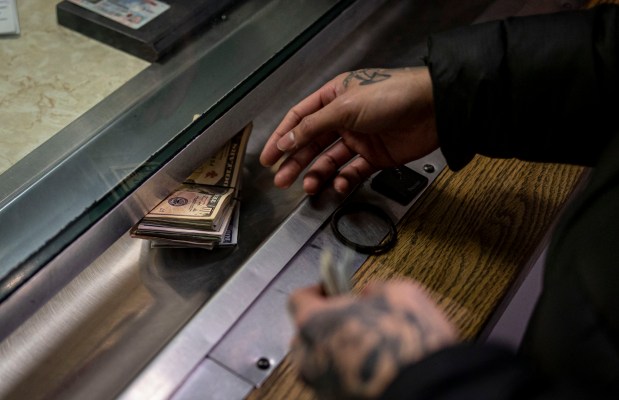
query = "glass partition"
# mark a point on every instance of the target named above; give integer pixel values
(124, 118)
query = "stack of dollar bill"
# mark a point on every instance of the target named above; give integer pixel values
(204, 210)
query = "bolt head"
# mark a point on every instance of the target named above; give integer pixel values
(429, 168)
(263, 363)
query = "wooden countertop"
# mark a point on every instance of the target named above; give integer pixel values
(466, 240)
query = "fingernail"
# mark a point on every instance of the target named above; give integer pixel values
(286, 142)
(340, 186)
(281, 180)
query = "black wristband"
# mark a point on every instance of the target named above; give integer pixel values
(355, 207)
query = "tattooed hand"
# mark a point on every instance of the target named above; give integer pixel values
(384, 116)
(349, 348)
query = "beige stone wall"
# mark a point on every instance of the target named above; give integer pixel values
(49, 76)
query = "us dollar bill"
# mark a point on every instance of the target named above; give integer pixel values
(192, 206)
(334, 274)
(225, 167)
(203, 211)
(166, 237)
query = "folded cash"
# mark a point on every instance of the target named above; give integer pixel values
(192, 207)
(181, 231)
(181, 238)
(225, 167)
(334, 274)
(204, 211)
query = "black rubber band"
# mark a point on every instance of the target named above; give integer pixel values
(351, 208)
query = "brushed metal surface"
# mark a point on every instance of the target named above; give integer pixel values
(36, 291)
(265, 331)
(92, 163)
(211, 381)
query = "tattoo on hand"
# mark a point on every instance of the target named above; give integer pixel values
(366, 76)
(375, 338)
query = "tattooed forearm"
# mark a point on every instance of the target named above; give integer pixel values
(366, 76)
(373, 336)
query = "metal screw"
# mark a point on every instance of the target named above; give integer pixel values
(263, 363)
(429, 168)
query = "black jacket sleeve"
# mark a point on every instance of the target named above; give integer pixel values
(540, 88)
(479, 372)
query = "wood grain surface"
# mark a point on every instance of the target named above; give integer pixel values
(466, 240)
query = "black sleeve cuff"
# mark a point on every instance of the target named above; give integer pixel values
(537, 88)
(465, 371)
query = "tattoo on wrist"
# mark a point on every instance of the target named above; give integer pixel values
(365, 335)
(366, 76)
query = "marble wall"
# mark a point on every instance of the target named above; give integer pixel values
(49, 76)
